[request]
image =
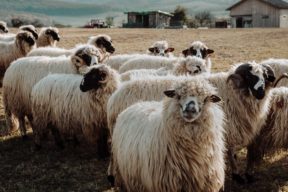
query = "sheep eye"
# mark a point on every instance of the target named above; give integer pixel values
(197, 71)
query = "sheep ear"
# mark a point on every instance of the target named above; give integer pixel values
(209, 51)
(152, 49)
(185, 52)
(170, 93)
(237, 80)
(77, 61)
(213, 99)
(170, 49)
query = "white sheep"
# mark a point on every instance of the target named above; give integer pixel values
(3, 27)
(244, 90)
(72, 104)
(148, 62)
(10, 51)
(28, 28)
(199, 49)
(176, 145)
(273, 135)
(48, 36)
(160, 48)
(102, 42)
(186, 66)
(24, 73)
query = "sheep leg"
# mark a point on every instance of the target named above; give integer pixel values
(110, 176)
(57, 136)
(254, 155)
(10, 121)
(102, 144)
(235, 171)
(22, 127)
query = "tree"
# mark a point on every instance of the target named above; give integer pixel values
(204, 18)
(109, 21)
(180, 16)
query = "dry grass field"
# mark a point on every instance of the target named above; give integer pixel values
(78, 169)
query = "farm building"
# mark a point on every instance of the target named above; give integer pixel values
(148, 19)
(259, 13)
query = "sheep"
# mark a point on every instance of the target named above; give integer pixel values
(245, 92)
(279, 66)
(273, 134)
(148, 62)
(161, 48)
(199, 49)
(24, 73)
(10, 51)
(59, 105)
(174, 145)
(158, 48)
(103, 42)
(48, 36)
(189, 65)
(11, 37)
(3, 27)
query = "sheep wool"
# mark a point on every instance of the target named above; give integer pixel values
(48, 36)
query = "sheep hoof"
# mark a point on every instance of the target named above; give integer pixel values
(250, 178)
(238, 178)
(111, 180)
(25, 138)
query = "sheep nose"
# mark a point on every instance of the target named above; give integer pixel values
(190, 109)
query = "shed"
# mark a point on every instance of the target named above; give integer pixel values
(148, 19)
(259, 13)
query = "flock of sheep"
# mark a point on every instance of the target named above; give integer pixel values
(168, 123)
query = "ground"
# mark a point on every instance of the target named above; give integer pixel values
(78, 169)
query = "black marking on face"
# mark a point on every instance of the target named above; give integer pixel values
(93, 79)
(250, 81)
(29, 40)
(103, 42)
(193, 52)
(4, 29)
(154, 50)
(87, 59)
(53, 34)
(34, 33)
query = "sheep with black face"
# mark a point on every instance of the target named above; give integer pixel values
(24, 73)
(48, 36)
(103, 42)
(12, 36)
(10, 51)
(199, 49)
(3, 27)
(245, 93)
(74, 105)
(173, 145)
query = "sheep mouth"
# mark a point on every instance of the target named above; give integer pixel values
(258, 94)
(110, 49)
(190, 117)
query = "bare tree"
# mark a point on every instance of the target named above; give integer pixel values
(204, 18)
(109, 21)
(180, 16)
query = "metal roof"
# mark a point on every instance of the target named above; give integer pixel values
(149, 12)
(280, 4)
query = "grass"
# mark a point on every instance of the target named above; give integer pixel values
(78, 169)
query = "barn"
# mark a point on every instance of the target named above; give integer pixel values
(259, 13)
(148, 19)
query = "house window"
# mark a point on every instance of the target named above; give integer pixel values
(265, 16)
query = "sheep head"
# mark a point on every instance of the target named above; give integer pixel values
(192, 97)
(95, 78)
(160, 48)
(52, 33)
(25, 41)
(198, 49)
(191, 66)
(31, 29)
(252, 79)
(3, 27)
(102, 42)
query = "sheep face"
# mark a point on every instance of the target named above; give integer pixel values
(104, 43)
(95, 78)
(86, 56)
(31, 29)
(194, 65)
(3, 28)
(160, 48)
(253, 79)
(198, 49)
(52, 34)
(25, 41)
(192, 100)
